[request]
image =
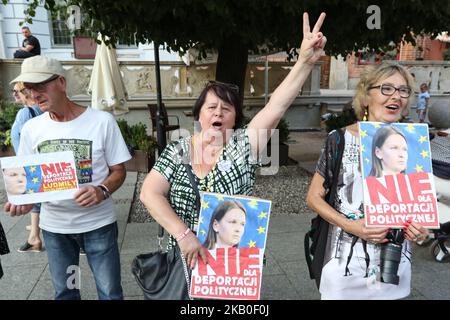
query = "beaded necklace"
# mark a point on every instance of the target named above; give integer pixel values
(209, 181)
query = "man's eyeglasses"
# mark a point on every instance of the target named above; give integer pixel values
(41, 86)
(389, 90)
(230, 86)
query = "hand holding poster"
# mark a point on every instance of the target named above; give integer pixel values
(39, 177)
(397, 173)
(234, 230)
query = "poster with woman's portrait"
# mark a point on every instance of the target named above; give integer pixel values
(234, 230)
(39, 177)
(397, 175)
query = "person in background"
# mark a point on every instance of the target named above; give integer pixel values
(4, 249)
(30, 110)
(352, 258)
(423, 102)
(30, 45)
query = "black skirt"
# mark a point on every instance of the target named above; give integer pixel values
(4, 249)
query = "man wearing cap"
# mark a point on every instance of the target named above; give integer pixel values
(88, 221)
(30, 45)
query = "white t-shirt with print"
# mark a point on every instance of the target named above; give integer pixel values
(350, 193)
(97, 143)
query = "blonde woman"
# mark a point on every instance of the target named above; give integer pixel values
(351, 265)
(29, 111)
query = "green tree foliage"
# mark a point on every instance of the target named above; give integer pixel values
(237, 27)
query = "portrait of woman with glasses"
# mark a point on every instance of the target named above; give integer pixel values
(222, 155)
(352, 258)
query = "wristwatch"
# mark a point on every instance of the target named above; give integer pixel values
(106, 193)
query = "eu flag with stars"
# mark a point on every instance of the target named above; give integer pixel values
(34, 178)
(257, 218)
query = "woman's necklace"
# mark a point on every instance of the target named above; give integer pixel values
(198, 160)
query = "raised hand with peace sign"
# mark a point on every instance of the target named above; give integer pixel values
(313, 42)
(268, 118)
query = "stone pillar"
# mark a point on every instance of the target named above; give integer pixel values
(434, 85)
(2, 41)
(312, 83)
(338, 74)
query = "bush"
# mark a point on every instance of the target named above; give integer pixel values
(335, 121)
(8, 111)
(446, 55)
(283, 128)
(136, 137)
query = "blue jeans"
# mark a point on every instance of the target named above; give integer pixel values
(102, 253)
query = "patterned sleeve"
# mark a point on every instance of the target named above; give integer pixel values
(242, 139)
(168, 162)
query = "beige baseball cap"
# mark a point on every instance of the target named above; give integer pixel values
(38, 69)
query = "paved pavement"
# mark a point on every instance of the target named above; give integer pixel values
(284, 278)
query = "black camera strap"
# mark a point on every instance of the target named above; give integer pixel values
(187, 166)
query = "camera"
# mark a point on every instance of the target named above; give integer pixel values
(391, 253)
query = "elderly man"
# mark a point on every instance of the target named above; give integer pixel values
(30, 45)
(87, 221)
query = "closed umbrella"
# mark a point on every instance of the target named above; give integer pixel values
(106, 85)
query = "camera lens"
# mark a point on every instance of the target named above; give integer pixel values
(390, 258)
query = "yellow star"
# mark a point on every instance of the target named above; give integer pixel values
(376, 125)
(363, 148)
(205, 205)
(30, 191)
(422, 139)
(220, 197)
(35, 180)
(263, 215)
(410, 127)
(367, 160)
(32, 169)
(251, 244)
(203, 232)
(200, 221)
(363, 133)
(419, 168)
(261, 230)
(424, 154)
(253, 203)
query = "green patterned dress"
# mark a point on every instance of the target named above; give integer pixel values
(233, 174)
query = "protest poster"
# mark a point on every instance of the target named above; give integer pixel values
(397, 173)
(39, 177)
(234, 230)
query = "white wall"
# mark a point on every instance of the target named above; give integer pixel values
(11, 37)
(338, 74)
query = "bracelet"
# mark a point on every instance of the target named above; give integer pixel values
(105, 190)
(183, 235)
(105, 187)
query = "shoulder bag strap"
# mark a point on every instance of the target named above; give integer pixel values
(321, 223)
(32, 112)
(188, 168)
(337, 166)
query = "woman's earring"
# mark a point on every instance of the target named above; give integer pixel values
(366, 113)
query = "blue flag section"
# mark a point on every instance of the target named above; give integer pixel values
(257, 221)
(34, 178)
